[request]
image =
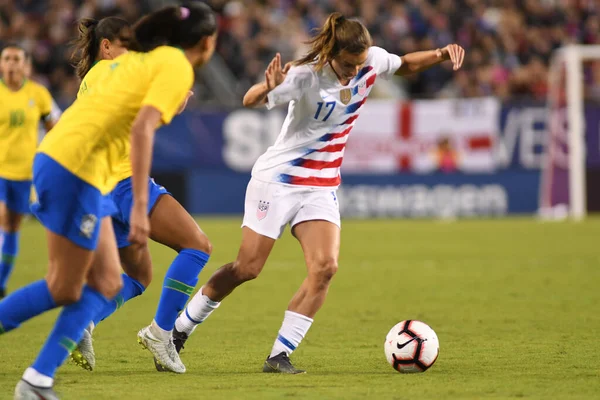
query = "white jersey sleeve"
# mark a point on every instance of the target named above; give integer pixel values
(298, 80)
(385, 64)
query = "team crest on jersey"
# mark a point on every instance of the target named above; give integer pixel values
(346, 96)
(31, 102)
(88, 224)
(262, 210)
(362, 88)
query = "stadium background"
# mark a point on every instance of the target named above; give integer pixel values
(492, 134)
(513, 301)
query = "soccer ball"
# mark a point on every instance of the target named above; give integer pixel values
(411, 346)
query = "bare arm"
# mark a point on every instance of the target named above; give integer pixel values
(142, 140)
(256, 95)
(274, 76)
(422, 60)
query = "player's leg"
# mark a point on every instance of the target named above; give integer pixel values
(137, 265)
(103, 283)
(251, 258)
(317, 228)
(268, 208)
(14, 203)
(172, 226)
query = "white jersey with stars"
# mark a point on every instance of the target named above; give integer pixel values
(321, 113)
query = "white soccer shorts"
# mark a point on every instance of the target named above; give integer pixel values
(270, 206)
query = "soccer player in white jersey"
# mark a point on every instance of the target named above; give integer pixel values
(295, 181)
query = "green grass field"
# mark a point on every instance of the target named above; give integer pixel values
(515, 304)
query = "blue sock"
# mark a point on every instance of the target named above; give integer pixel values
(68, 331)
(131, 289)
(25, 304)
(10, 248)
(179, 284)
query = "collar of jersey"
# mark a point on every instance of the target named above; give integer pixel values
(20, 87)
(333, 75)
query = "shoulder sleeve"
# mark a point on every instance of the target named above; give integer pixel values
(172, 76)
(298, 79)
(83, 88)
(385, 64)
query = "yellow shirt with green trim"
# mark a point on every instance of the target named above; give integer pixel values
(20, 115)
(92, 138)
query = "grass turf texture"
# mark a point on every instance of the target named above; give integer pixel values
(514, 303)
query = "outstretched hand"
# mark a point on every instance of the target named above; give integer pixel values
(454, 53)
(275, 73)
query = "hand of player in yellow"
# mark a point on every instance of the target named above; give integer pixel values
(454, 53)
(139, 226)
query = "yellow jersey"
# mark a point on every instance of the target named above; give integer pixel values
(92, 138)
(93, 78)
(20, 114)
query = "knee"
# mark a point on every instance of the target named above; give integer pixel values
(322, 270)
(109, 286)
(198, 241)
(142, 275)
(10, 221)
(62, 293)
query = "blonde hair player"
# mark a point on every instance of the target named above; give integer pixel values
(295, 181)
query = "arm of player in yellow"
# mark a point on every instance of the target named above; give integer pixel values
(142, 140)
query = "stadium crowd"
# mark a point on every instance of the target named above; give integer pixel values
(509, 42)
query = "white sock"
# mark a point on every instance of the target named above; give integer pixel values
(292, 332)
(34, 378)
(197, 310)
(159, 332)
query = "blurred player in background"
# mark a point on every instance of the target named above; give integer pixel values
(295, 181)
(170, 224)
(23, 104)
(73, 177)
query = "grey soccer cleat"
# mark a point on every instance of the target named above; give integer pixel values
(163, 351)
(83, 356)
(281, 364)
(179, 339)
(26, 391)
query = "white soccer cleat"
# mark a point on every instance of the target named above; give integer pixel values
(164, 351)
(83, 355)
(26, 391)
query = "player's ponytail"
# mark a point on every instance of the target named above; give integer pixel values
(337, 34)
(178, 26)
(91, 33)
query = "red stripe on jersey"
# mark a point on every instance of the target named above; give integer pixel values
(341, 134)
(371, 80)
(350, 120)
(319, 165)
(315, 181)
(332, 148)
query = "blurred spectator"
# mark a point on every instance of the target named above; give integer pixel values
(509, 42)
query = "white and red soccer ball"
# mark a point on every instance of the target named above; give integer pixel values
(411, 346)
